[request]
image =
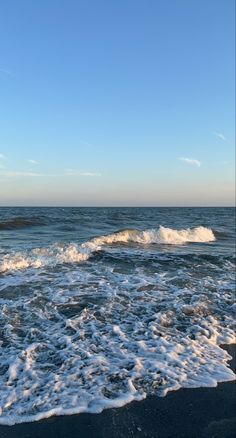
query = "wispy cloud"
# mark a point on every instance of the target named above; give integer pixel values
(8, 173)
(225, 162)
(219, 135)
(76, 172)
(90, 174)
(16, 173)
(191, 161)
(33, 161)
(2, 158)
(70, 172)
(5, 71)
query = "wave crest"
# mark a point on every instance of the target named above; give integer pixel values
(162, 235)
(40, 257)
(73, 253)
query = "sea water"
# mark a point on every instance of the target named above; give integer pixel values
(102, 306)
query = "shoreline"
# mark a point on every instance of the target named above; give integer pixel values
(187, 412)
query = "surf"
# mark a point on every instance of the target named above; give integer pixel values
(76, 253)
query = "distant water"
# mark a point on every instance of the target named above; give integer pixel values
(102, 306)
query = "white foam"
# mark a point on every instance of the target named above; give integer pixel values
(94, 338)
(162, 235)
(40, 257)
(74, 253)
(82, 338)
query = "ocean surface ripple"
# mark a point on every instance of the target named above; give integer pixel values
(102, 306)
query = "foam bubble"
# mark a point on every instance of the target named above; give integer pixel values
(82, 337)
(40, 257)
(74, 253)
(82, 340)
(162, 235)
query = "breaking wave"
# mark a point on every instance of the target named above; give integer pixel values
(75, 253)
(138, 318)
(40, 257)
(162, 235)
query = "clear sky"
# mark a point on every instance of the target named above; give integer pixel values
(117, 102)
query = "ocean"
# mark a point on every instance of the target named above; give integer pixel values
(102, 306)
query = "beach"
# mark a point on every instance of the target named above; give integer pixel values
(117, 219)
(186, 413)
(112, 323)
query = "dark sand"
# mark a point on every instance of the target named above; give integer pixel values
(189, 413)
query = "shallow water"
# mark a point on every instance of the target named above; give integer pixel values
(101, 306)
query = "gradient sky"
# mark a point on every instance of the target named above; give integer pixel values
(117, 102)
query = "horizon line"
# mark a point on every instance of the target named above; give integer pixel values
(118, 206)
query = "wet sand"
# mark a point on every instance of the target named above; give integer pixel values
(186, 413)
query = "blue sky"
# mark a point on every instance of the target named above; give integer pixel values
(106, 102)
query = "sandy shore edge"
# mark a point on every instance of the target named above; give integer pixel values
(195, 413)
